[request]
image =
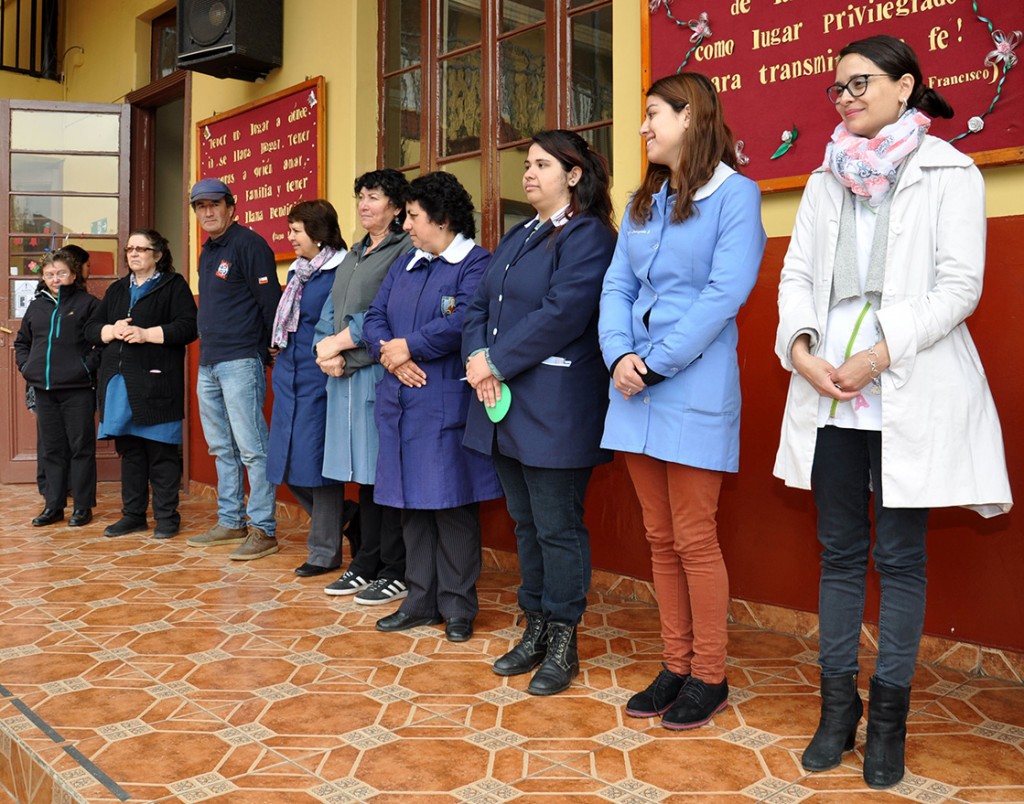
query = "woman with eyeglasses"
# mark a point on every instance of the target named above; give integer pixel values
(146, 319)
(59, 364)
(888, 398)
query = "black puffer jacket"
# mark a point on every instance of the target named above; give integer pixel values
(50, 348)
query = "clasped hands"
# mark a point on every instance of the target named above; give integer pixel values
(845, 382)
(124, 330)
(396, 358)
(482, 380)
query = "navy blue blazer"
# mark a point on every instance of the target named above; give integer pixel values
(536, 311)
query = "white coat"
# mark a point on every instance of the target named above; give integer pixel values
(941, 440)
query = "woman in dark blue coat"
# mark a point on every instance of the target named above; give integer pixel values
(298, 422)
(533, 325)
(414, 327)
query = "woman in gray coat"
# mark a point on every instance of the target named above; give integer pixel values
(377, 572)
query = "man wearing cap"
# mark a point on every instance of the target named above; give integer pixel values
(238, 296)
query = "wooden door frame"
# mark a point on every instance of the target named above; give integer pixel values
(144, 102)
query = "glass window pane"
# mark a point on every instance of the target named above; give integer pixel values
(404, 34)
(61, 173)
(460, 21)
(467, 171)
(591, 87)
(514, 206)
(167, 58)
(517, 13)
(600, 140)
(521, 65)
(402, 116)
(54, 216)
(64, 131)
(460, 94)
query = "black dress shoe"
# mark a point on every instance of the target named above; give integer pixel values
(400, 621)
(126, 524)
(459, 629)
(79, 517)
(48, 517)
(308, 570)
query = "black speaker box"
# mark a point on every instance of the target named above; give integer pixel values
(230, 38)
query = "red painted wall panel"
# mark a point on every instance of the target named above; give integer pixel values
(767, 531)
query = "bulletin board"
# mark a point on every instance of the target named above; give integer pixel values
(772, 60)
(272, 154)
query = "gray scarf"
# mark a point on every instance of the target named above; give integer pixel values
(845, 276)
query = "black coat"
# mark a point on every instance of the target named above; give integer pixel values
(154, 373)
(51, 349)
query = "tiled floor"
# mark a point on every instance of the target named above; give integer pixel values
(133, 669)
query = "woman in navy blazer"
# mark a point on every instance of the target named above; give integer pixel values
(533, 325)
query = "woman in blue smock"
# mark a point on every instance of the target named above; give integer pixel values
(414, 327)
(298, 421)
(688, 254)
(147, 318)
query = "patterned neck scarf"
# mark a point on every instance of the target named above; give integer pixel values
(868, 167)
(286, 319)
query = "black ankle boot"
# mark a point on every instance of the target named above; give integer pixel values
(561, 663)
(841, 710)
(530, 650)
(887, 735)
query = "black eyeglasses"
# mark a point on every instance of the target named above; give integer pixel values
(138, 249)
(856, 86)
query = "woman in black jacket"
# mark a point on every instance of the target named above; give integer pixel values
(56, 360)
(152, 316)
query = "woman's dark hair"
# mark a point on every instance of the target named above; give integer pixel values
(78, 252)
(590, 193)
(390, 182)
(445, 201)
(706, 142)
(70, 260)
(896, 59)
(159, 245)
(320, 220)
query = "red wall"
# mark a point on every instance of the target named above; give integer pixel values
(767, 531)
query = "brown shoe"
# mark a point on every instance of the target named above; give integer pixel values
(218, 534)
(257, 545)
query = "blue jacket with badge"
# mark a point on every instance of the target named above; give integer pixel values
(536, 313)
(671, 295)
(421, 462)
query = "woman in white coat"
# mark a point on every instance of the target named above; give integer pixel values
(885, 263)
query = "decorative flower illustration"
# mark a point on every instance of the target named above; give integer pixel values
(700, 28)
(654, 5)
(1003, 52)
(975, 124)
(741, 158)
(788, 141)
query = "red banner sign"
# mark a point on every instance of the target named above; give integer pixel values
(772, 60)
(271, 154)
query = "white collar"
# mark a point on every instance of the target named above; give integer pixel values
(331, 264)
(560, 218)
(722, 172)
(456, 252)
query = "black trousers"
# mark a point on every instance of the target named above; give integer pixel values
(381, 551)
(146, 463)
(442, 549)
(67, 432)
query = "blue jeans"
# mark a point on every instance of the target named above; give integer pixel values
(231, 396)
(845, 462)
(553, 542)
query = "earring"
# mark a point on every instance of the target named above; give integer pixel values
(903, 106)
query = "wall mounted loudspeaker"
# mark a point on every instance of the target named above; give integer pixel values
(230, 38)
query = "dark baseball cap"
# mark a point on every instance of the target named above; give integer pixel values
(209, 190)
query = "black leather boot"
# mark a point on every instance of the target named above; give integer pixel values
(561, 663)
(530, 650)
(887, 735)
(841, 709)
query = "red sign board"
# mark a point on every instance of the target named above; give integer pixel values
(271, 154)
(772, 60)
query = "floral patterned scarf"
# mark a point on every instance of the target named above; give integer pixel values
(868, 167)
